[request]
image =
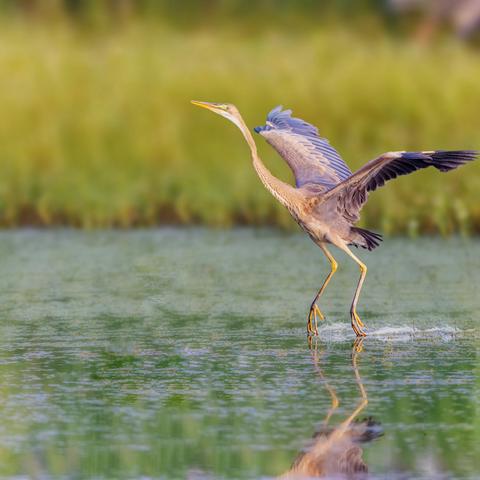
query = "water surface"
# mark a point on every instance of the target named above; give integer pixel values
(182, 353)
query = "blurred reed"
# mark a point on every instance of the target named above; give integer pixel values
(97, 130)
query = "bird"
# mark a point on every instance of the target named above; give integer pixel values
(327, 197)
(335, 451)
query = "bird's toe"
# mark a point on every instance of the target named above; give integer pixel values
(357, 324)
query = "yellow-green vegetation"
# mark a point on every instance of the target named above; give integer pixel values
(96, 129)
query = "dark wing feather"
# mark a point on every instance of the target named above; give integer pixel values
(352, 193)
(312, 159)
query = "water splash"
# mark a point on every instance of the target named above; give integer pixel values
(339, 332)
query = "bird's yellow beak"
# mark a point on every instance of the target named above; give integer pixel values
(223, 109)
(207, 105)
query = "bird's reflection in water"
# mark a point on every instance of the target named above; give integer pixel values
(335, 451)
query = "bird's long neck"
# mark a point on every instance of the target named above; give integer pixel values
(282, 191)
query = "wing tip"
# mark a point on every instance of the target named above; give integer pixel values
(446, 160)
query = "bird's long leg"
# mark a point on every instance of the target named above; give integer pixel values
(357, 324)
(315, 312)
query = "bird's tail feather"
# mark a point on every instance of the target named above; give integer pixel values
(365, 238)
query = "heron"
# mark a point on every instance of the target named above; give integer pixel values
(327, 197)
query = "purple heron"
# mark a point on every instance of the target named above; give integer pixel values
(327, 198)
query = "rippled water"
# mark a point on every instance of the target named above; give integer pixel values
(182, 353)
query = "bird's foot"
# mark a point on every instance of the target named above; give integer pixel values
(357, 324)
(313, 316)
(358, 319)
(317, 312)
(312, 329)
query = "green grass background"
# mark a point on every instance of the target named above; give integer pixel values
(96, 128)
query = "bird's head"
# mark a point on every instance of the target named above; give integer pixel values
(226, 110)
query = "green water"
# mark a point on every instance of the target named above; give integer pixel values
(182, 354)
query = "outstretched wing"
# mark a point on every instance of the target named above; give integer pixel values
(352, 193)
(312, 159)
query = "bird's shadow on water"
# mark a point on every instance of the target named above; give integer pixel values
(335, 451)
